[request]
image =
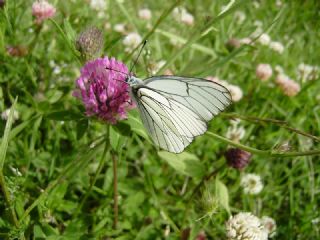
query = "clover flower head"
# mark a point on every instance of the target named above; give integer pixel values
(263, 71)
(90, 42)
(235, 132)
(264, 39)
(145, 14)
(245, 226)
(251, 183)
(98, 5)
(42, 10)
(237, 158)
(236, 92)
(287, 85)
(277, 47)
(131, 41)
(103, 90)
(180, 14)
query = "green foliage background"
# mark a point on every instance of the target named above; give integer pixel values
(58, 164)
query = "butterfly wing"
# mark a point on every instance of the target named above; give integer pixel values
(175, 109)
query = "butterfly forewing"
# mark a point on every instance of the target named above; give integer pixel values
(175, 109)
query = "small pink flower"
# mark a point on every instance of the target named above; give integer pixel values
(288, 86)
(263, 72)
(104, 92)
(42, 10)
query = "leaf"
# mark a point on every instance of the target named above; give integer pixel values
(123, 128)
(223, 195)
(54, 95)
(82, 127)
(137, 126)
(71, 34)
(65, 115)
(114, 138)
(5, 138)
(185, 163)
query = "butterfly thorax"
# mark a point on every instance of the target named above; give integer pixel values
(133, 81)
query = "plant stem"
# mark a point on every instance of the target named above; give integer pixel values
(101, 163)
(270, 152)
(8, 200)
(115, 191)
(3, 152)
(279, 123)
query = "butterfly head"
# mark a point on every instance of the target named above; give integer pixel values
(132, 80)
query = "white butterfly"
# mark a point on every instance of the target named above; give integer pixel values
(175, 110)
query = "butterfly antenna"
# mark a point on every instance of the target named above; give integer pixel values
(136, 60)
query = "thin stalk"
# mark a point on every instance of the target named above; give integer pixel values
(3, 152)
(7, 198)
(101, 163)
(277, 122)
(270, 152)
(115, 191)
(34, 41)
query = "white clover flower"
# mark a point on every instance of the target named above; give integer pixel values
(5, 114)
(236, 92)
(264, 39)
(270, 225)
(98, 5)
(279, 3)
(239, 17)
(307, 72)
(187, 18)
(251, 183)
(305, 68)
(287, 85)
(246, 40)
(145, 14)
(263, 71)
(119, 27)
(245, 226)
(131, 41)
(235, 132)
(257, 32)
(277, 47)
(180, 14)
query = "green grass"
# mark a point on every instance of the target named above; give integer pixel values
(57, 176)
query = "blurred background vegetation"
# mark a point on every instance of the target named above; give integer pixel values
(58, 163)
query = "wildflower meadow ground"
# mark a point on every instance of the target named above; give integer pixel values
(77, 161)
